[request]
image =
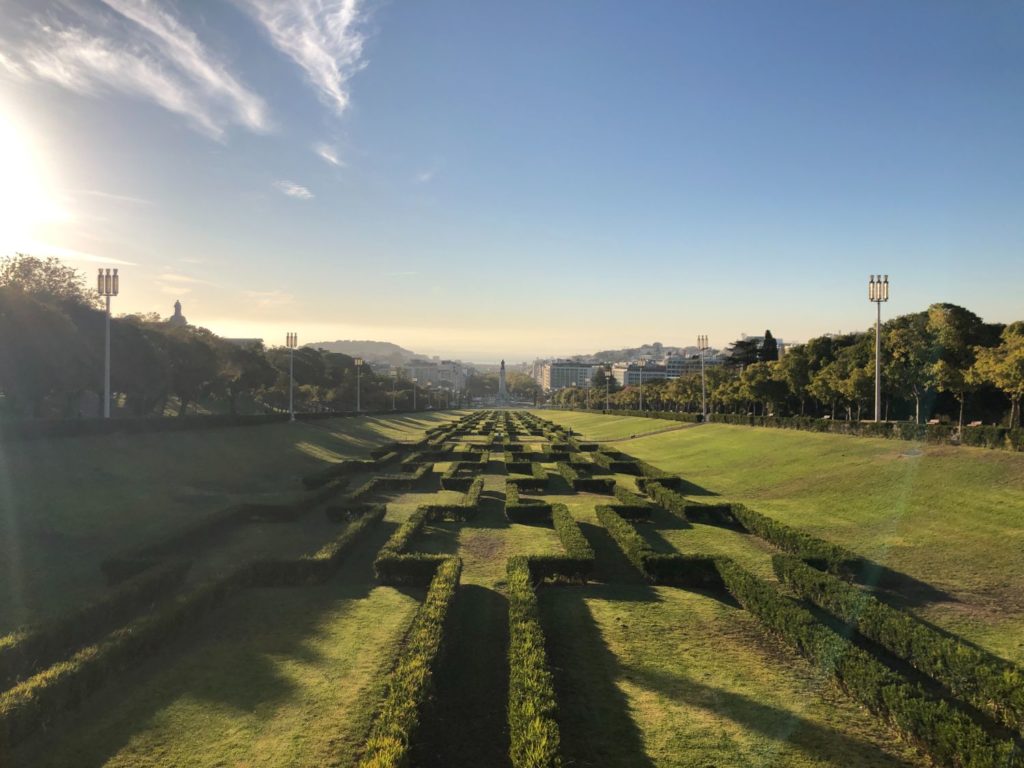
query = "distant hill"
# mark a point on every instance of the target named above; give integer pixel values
(653, 350)
(372, 351)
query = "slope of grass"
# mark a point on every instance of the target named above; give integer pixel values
(596, 426)
(67, 503)
(664, 677)
(950, 517)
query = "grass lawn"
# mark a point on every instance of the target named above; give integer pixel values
(950, 517)
(277, 677)
(665, 677)
(67, 503)
(597, 426)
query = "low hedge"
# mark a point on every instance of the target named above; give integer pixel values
(518, 467)
(534, 738)
(529, 511)
(971, 674)
(577, 564)
(603, 485)
(457, 477)
(394, 566)
(346, 467)
(628, 498)
(339, 513)
(675, 569)
(465, 510)
(319, 566)
(38, 700)
(949, 735)
(411, 682)
(30, 649)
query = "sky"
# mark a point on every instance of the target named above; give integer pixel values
(490, 180)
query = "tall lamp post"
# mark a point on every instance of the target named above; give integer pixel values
(588, 393)
(878, 291)
(414, 393)
(641, 387)
(291, 341)
(607, 390)
(359, 367)
(702, 345)
(394, 392)
(108, 284)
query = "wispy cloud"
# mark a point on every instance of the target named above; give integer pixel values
(270, 298)
(328, 153)
(425, 177)
(324, 37)
(140, 50)
(175, 290)
(113, 196)
(38, 248)
(292, 189)
(174, 277)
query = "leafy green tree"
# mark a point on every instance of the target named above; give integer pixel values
(47, 279)
(741, 353)
(794, 369)
(910, 352)
(827, 386)
(956, 332)
(1003, 366)
(761, 385)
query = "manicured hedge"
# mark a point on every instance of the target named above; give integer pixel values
(577, 564)
(319, 566)
(394, 565)
(346, 467)
(971, 674)
(465, 510)
(946, 733)
(604, 485)
(532, 705)
(345, 511)
(694, 571)
(28, 650)
(455, 478)
(411, 681)
(628, 498)
(528, 511)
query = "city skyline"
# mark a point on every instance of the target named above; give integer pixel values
(481, 183)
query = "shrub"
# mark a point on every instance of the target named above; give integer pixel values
(603, 485)
(532, 704)
(411, 681)
(26, 651)
(628, 498)
(528, 511)
(949, 735)
(979, 678)
(346, 467)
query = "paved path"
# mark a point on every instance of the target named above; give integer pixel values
(647, 434)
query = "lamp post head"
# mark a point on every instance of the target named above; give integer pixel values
(358, 361)
(878, 288)
(291, 340)
(108, 283)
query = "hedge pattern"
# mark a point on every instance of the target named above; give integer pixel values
(532, 705)
(973, 675)
(946, 733)
(411, 682)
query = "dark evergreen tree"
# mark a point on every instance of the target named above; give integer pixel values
(769, 350)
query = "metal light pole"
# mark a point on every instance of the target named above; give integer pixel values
(394, 392)
(414, 393)
(359, 368)
(878, 291)
(292, 341)
(702, 345)
(641, 389)
(588, 394)
(108, 284)
(607, 391)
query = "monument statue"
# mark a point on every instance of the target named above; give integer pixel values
(177, 320)
(502, 389)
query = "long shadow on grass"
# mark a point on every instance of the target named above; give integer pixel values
(813, 739)
(231, 658)
(467, 723)
(593, 713)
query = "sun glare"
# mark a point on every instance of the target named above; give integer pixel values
(27, 200)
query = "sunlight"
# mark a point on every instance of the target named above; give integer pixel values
(27, 200)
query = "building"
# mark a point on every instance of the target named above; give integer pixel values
(449, 374)
(676, 366)
(629, 374)
(561, 374)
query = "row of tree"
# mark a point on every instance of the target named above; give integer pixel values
(52, 351)
(943, 362)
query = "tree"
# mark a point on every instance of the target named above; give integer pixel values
(740, 353)
(761, 385)
(827, 386)
(245, 370)
(908, 369)
(46, 279)
(956, 332)
(1003, 366)
(794, 369)
(769, 350)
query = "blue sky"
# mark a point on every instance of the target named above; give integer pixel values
(490, 180)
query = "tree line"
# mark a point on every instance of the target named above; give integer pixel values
(944, 362)
(52, 352)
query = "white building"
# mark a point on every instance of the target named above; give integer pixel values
(629, 374)
(561, 374)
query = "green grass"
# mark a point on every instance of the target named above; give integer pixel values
(664, 677)
(67, 503)
(596, 426)
(950, 517)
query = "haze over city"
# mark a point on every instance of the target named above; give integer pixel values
(480, 181)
